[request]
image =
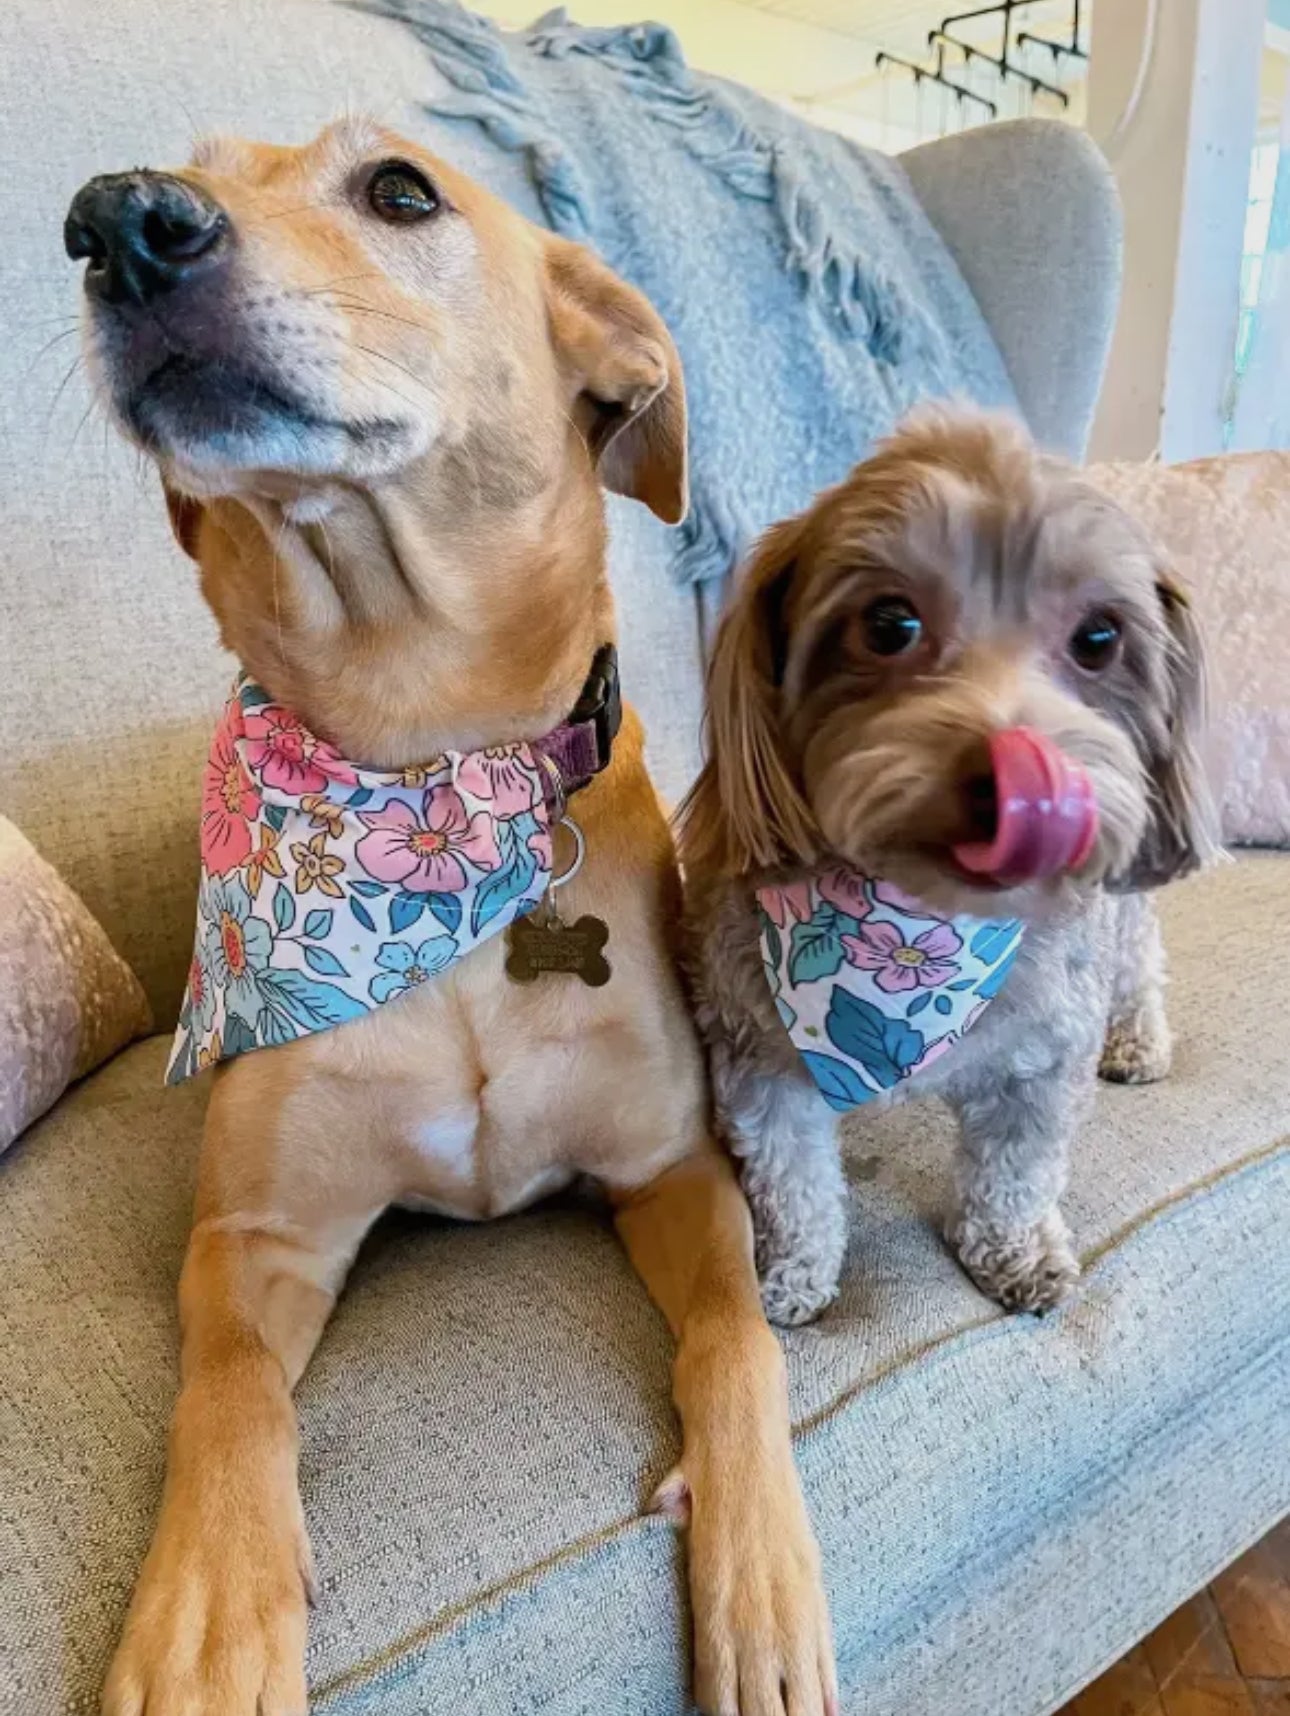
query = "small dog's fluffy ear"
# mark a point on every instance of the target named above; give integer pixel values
(746, 812)
(1182, 831)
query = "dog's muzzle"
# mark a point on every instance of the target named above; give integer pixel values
(1044, 813)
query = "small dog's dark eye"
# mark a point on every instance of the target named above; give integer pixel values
(1095, 642)
(890, 626)
(398, 192)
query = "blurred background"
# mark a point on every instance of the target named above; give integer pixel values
(1187, 98)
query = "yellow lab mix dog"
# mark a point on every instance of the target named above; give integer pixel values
(383, 407)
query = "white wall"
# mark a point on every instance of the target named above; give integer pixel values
(1183, 171)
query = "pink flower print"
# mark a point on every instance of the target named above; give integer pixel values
(845, 890)
(500, 776)
(888, 894)
(287, 756)
(422, 853)
(924, 963)
(230, 804)
(786, 900)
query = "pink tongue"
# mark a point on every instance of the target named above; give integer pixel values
(1047, 815)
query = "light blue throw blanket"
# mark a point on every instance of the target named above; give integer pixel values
(810, 297)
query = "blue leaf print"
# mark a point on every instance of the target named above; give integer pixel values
(446, 908)
(788, 1018)
(943, 1005)
(839, 1084)
(318, 923)
(361, 912)
(917, 1004)
(993, 981)
(274, 1028)
(276, 816)
(369, 890)
(497, 891)
(252, 696)
(405, 909)
(886, 1048)
(773, 946)
(183, 1064)
(815, 948)
(991, 941)
(238, 1035)
(963, 983)
(357, 800)
(323, 961)
(306, 1002)
(833, 917)
(284, 907)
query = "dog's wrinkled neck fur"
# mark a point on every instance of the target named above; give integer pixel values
(398, 627)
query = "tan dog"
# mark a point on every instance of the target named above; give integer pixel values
(383, 406)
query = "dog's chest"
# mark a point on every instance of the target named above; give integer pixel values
(464, 1169)
(494, 1092)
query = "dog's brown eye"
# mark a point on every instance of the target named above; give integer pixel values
(398, 192)
(1095, 642)
(890, 626)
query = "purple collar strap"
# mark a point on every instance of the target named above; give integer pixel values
(580, 747)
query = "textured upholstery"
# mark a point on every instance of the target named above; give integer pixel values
(1222, 525)
(68, 1001)
(1030, 211)
(1003, 1503)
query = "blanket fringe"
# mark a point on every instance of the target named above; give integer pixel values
(867, 303)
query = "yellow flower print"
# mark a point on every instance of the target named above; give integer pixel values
(317, 868)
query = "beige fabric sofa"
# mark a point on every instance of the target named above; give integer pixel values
(1004, 1505)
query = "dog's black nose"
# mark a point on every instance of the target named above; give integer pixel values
(142, 234)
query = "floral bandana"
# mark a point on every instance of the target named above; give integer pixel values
(870, 984)
(327, 890)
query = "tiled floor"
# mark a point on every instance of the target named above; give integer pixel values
(1226, 1653)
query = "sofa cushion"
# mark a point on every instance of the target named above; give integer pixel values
(1004, 1504)
(1222, 526)
(68, 1001)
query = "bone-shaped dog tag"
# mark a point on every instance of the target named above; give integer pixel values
(542, 942)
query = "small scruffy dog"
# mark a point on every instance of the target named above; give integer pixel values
(952, 712)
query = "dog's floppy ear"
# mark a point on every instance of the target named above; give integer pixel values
(747, 811)
(630, 398)
(1182, 829)
(185, 519)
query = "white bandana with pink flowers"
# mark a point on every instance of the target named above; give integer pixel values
(871, 985)
(327, 890)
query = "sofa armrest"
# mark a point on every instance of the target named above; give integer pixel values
(1030, 212)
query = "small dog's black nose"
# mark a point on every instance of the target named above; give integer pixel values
(142, 234)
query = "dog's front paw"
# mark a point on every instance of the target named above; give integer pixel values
(1138, 1050)
(1028, 1269)
(217, 1625)
(801, 1241)
(795, 1290)
(762, 1640)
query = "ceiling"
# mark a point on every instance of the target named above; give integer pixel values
(901, 26)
